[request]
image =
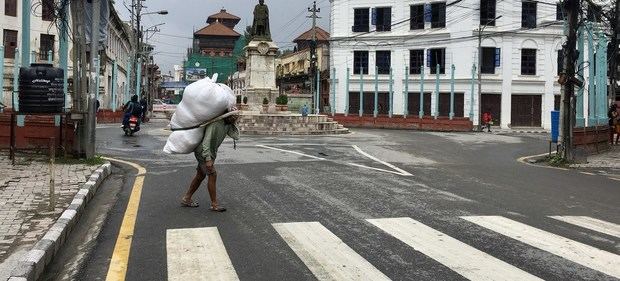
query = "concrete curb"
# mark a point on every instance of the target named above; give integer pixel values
(32, 264)
(534, 161)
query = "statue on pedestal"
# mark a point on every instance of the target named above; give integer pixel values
(260, 26)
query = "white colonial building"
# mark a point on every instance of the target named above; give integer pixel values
(521, 41)
(117, 50)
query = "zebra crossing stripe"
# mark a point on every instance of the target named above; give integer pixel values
(577, 252)
(465, 260)
(592, 224)
(198, 254)
(327, 257)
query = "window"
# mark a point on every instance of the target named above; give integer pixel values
(560, 14)
(384, 19)
(528, 61)
(490, 60)
(10, 8)
(360, 62)
(594, 12)
(487, 12)
(361, 20)
(528, 15)
(416, 61)
(560, 62)
(384, 62)
(47, 7)
(435, 57)
(47, 44)
(417, 17)
(438, 15)
(10, 43)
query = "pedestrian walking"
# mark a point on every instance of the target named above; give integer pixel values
(614, 123)
(304, 110)
(144, 105)
(487, 119)
(206, 153)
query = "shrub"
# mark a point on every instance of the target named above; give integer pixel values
(282, 100)
(265, 101)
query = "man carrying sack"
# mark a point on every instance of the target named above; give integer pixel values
(216, 131)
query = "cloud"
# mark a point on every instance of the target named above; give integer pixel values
(288, 20)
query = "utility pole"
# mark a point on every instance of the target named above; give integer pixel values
(480, 28)
(572, 8)
(314, 59)
(94, 50)
(79, 63)
(137, 7)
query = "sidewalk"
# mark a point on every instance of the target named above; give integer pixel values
(609, 159)
(25, 215)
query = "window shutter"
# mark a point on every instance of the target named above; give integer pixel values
(428, 58)
(428, 16)
(498, 57)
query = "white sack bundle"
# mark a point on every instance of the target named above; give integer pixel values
(202, 101)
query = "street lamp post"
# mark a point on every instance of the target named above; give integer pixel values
(148, 59)
(480, 30)
(138, 39)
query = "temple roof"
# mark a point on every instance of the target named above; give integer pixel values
(217, 29)
(222, 15)
(321, 35)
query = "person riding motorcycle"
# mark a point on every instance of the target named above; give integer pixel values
(132, 108)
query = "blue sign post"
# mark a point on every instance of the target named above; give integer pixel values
(555, 126)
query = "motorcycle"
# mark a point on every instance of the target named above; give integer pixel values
(133, 126)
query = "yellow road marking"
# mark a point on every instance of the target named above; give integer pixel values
(120, 256)
(523, 160)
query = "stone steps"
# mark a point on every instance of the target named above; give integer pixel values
(289, 124)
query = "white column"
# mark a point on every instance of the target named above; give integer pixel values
(398, 66)
(548, 101)
(507, 71)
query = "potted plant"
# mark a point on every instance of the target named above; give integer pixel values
(282, 103)
(245, 105)
(265, 105)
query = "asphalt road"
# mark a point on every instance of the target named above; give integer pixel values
(375, 204)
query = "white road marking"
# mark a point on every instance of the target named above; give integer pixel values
(577, 252)
(591, 223)
(325, 254)
(198, 254)
(399, 170)
(290, 151)
(376, 169)
(588, 173)
(466, 260)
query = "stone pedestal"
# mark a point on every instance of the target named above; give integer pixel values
(261, 73)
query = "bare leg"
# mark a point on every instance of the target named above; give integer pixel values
(198, 178)
(211, 184)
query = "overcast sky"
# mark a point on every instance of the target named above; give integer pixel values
(288, 20)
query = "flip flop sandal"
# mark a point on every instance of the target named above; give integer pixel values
(190, 204)
(217, 209)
